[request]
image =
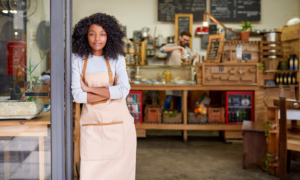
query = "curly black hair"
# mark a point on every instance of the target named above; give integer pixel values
(114, 44)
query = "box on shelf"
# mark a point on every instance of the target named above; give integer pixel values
(153, 114)
(174, 117)
(216, 115)
(193, 119)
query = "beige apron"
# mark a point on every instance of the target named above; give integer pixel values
(175, 59)
(108, 136)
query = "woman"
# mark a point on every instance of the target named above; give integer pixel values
(100, 82)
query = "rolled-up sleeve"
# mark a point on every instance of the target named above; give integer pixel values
(121, 90)
(78, 94)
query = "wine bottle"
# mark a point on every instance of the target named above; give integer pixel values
(291, 62)
(284, 79)
(277, 79)
(289, 79)
(294, 79)
(296, 62)
(280, 78)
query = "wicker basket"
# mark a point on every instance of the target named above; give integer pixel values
(170, 118)
(271, 65)
(192, 119)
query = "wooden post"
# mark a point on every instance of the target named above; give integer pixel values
(184, 111)
(282, 139)
(76, 136)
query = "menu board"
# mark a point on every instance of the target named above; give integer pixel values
(214, 47)
(235, 10)
(183, 24)
(168, 8)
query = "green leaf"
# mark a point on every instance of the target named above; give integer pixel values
(36, 66)
(25, 67)
(30, 64)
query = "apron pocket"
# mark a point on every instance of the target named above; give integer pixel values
(102, 141)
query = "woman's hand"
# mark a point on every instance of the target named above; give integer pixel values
(116, 80)
(84, 87)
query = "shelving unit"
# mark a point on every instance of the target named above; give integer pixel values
(142, 54)
(277, 86)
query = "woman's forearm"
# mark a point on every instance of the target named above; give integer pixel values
(101, 91)
(93, 98)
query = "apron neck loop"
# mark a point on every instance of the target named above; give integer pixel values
(110, 74)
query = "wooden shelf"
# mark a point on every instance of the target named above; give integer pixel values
(270, 42)
(211, 126)
(280, 71)
(274, 59)
(276, 86)
(134, 53)
(272, 53)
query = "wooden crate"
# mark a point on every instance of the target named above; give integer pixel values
(192, 119)
(248, 47)
(153, 114)
(216, 115)
(175, 118)
(267, 46)
(237, 74)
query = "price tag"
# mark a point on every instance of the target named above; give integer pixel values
(238, 51)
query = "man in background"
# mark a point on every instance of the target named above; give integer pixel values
(174, 52)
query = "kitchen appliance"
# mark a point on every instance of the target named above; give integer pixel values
(171, 39)
(137, 36)
(145, 32)
(134, 103)
(239, 106)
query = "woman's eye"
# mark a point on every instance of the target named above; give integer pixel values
(91, 34)
(102, 34)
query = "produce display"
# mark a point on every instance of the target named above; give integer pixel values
(201, 110)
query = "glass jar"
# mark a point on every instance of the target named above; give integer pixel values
(131, 48)
(132, 61)
(137, 48)
(137, 60)
(168, 76)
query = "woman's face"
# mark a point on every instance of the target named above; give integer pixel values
(97, 38)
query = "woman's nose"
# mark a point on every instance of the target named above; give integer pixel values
(97, 37)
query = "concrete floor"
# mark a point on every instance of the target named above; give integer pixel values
(207, 158)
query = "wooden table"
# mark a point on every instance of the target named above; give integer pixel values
(254, 144)
(36, 127)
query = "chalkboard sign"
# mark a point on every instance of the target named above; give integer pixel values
(184, 22)
(215, 47)
(168, 8)
(235, 10)
(204, 41)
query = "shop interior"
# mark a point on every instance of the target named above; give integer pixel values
(230, 112)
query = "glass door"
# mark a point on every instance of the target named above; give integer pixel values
(239, 106)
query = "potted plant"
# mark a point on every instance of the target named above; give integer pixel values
(246, 29)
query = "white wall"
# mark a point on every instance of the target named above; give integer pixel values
(42, 13)
(136, 14)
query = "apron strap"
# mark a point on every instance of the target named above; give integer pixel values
(110, 74)
(84, 68)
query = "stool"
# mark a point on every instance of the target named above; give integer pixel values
(254, 147)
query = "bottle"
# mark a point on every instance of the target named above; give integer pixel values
(294, 79)
(168, 76)
(289, 79)
(237, 117)
(233, 117)
(277, 79)
(280, 79)
(244, 115)
(284, 79)
(291, 62)
(296, 62)
(229, 116)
